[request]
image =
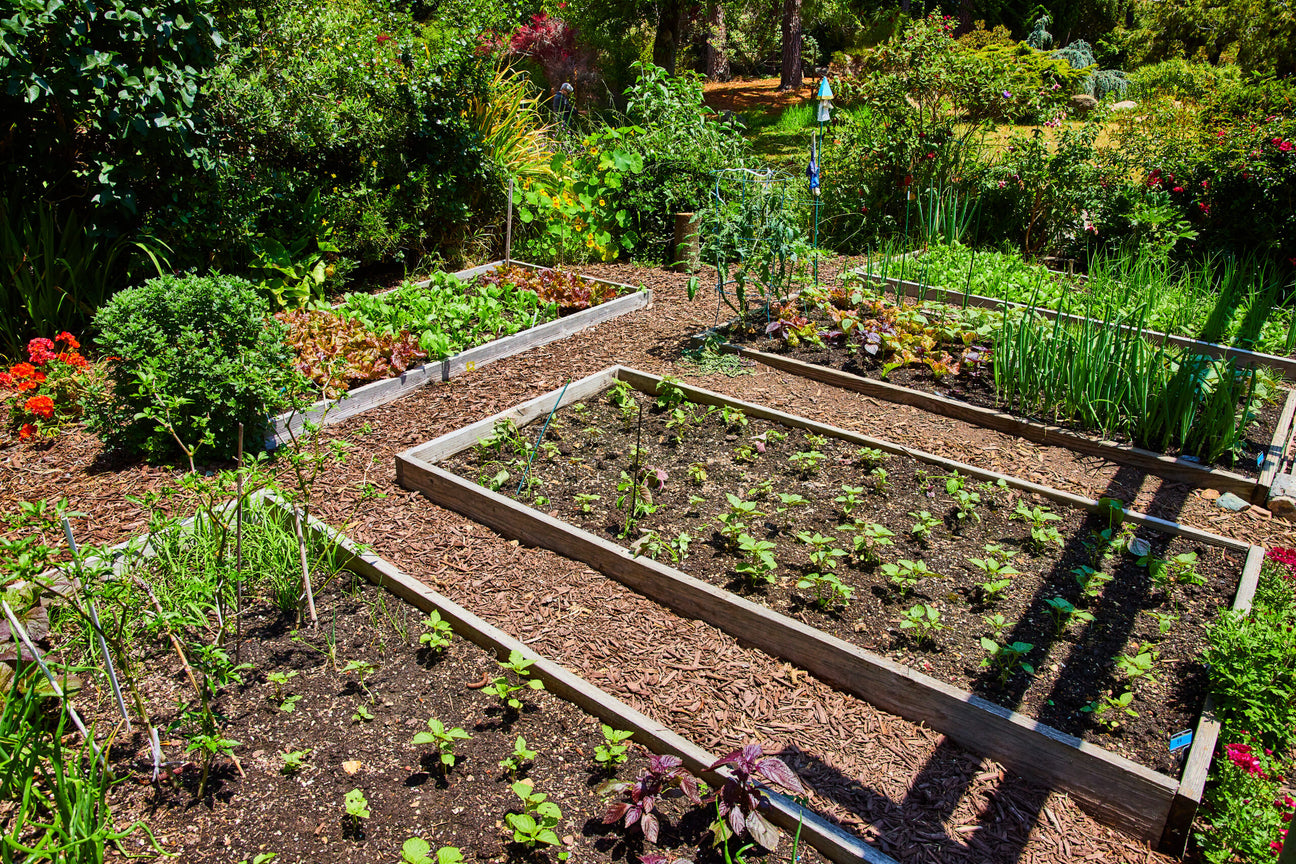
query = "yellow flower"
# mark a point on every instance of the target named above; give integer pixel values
(589, 241)
(374, 163)
(602, 203)
(397, 186)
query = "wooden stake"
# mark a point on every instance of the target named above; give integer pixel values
(306, 580)
(238, 552)
(508, 228)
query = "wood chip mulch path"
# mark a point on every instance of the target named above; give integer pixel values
(918, 796)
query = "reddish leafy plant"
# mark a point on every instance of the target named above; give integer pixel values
(570, 291)
(336, 352)
(739, 800)
(665, 777)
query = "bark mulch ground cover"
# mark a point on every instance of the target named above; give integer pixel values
(926, 799)
(975, 389)
(261, 807)
(691, 469)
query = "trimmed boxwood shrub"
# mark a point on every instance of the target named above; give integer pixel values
(200, 353)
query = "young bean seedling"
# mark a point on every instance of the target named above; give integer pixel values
(850, 498)
(416, 850)
(357, 808)
(1109, 711)
(1004, 660)
(759, 564)
(1091, 581)
(906, 574)
(534, 826)
(513, 763)
(924, 620)
(924, 523)
(1064, 612)
(1042, 534)
(997, 623)
(437, 734)
(806, 462)
(613, 750)
(504, 690)
(436, 632)
(585, 502)
(870, 537)
(294, 760)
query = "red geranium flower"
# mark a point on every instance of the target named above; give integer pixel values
(68, 339)
(26, 431)
(24, 386)
(22, 370)
(41, 406)
(6, 380)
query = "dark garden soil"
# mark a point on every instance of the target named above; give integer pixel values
(1074, 666)
(257, 807)
(906, 788)
(979, 390)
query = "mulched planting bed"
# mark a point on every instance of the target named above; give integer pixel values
(301, 818)
(1072, 669)
(975, 390)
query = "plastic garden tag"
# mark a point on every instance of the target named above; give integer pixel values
(1180, 741)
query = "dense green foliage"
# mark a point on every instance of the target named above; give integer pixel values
(193, 357)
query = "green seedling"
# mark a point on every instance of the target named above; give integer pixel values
(806, 461)
(733, 417)
(293, 761)
(924, 523)
(997, 623)
(585, 502)
(357, 807)
(669, 393)
(1109, 711)
(870, 538)
(734, 522)
(416, 850)
(829, 590)
(1091, 581)
(759, 565)
(533, 827)
(761, 490)
(905, 574)
(362, 714)
(744, 453)
(880, 481)
(816, 441)
(436, 632)
(679, 547)
(678, 421)
(869, 457)
(437, 734)
(992, 492)
(1042, 534)
(513, 763)
(363, 669)
(1064, 612)
(1138, 663)
(998, 576)
(774, 436)
(850, 498)
(697, 474)
(504, 690)
(289, 704)
(1004, 660)
(1165, 621)
(787, 501)
(923, 620)
(996, 552)
(695, 503)
(612, 751)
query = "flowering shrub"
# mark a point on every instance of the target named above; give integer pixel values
(46, 391)
(1247, 813)
(580, 214)
(1285, 557)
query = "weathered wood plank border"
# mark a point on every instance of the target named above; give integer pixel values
(834, 842)
(1169, 467)
(377, 393)
(1116, 790)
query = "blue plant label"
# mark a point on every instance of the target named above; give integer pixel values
(1180, 741)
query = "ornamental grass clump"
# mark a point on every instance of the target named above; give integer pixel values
(192, 357)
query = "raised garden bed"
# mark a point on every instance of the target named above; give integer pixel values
(936, 293)
(862, 647)
(625, 299)
(344, 700)
(971, 398)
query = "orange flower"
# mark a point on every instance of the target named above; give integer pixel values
(22, 370)
(41, 406)
(68, 339)
(24, 386)
(26, 431)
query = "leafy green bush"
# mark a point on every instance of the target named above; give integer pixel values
(1253, 673)
(194, 357)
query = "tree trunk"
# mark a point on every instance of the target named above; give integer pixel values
(790, 78)
(666, 42)
(717, 57)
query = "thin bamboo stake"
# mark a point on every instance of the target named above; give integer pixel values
(40, 661)
(306, 580)
(94, 620)
(238, 553)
